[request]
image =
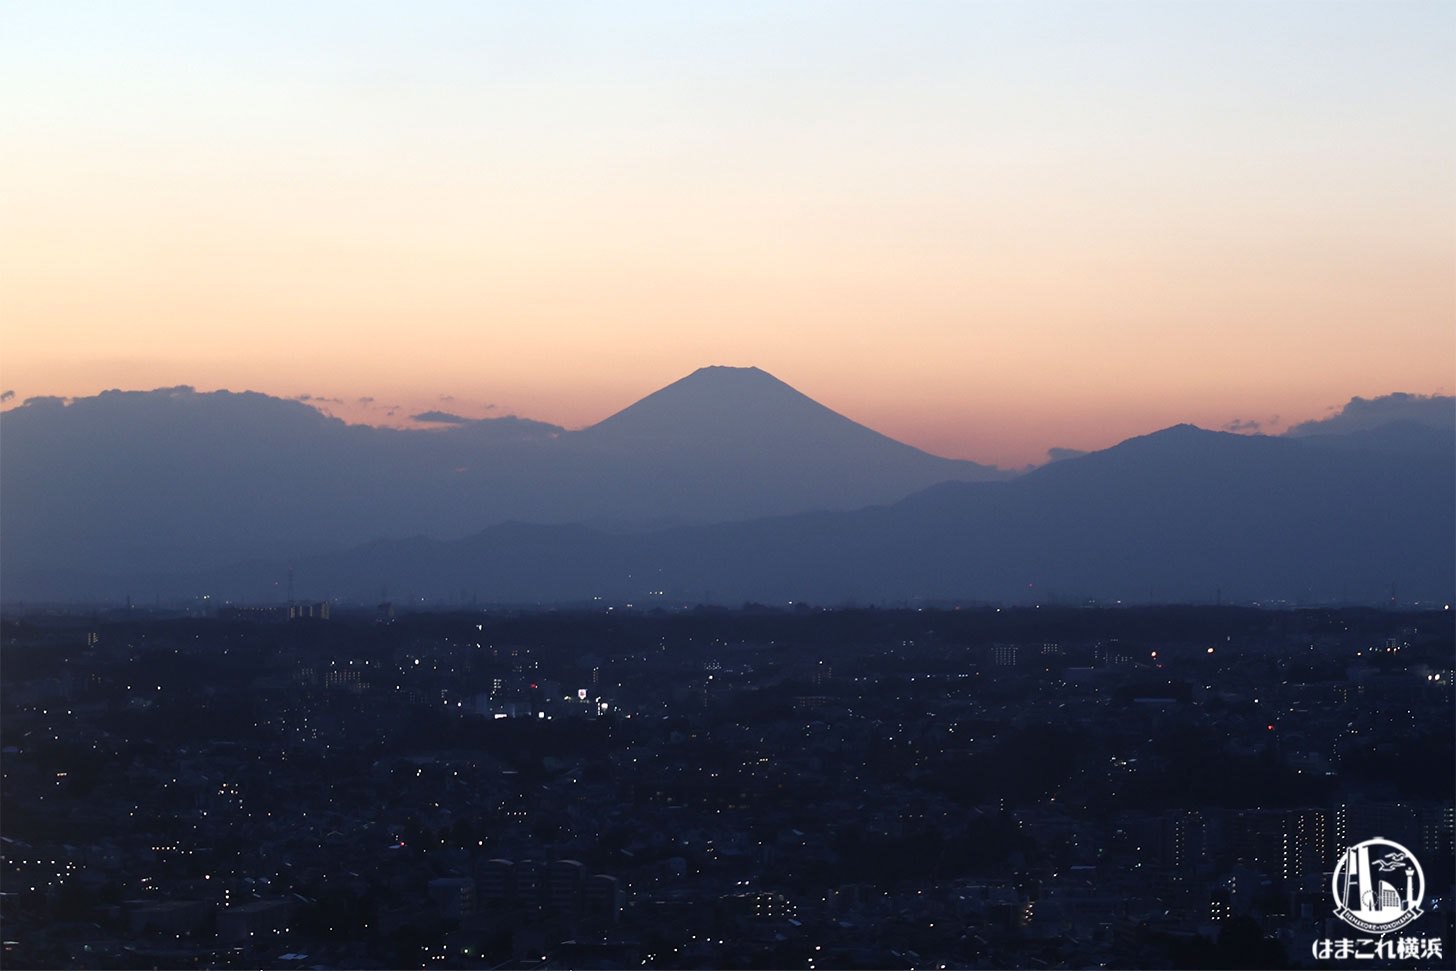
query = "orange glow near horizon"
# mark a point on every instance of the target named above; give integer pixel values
(985, 230)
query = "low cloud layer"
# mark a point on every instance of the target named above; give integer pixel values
(439, 418)
(1252, 426)
(1362, 414)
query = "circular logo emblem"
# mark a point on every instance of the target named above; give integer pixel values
(1378, 886)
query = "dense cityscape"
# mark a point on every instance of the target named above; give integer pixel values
(790, 787)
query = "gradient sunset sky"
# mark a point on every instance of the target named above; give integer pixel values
(983, 228)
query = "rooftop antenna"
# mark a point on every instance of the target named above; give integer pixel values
(1350, 864)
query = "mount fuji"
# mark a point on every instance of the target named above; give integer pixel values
(175, 479)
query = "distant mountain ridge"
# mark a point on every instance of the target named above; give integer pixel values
(1183, 514)
(176, 480)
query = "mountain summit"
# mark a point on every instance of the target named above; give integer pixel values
(744, 442)
(746, 407)
(717, 402)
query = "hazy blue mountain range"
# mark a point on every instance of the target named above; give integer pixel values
(1181, 514)
(175, 480)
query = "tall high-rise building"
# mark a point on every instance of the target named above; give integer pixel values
(564, 882)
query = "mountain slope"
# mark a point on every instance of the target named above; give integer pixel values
(742, 442)
(1182, 514)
